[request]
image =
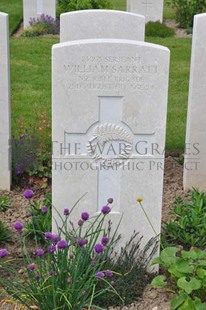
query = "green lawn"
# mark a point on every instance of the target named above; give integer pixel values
(31, 78)
(180, 50)
(15, 11)
(31, 82)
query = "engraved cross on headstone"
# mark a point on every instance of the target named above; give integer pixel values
(109, 128)
(147, 4)
(40, 7)
(108, 140)
(109, 179)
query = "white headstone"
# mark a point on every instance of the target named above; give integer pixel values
(35, 8)
(151, 9)
(109, 119)
(5, 123)
(101, 24)
(195, 147)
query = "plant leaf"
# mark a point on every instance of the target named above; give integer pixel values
(188, 305)
(201, 273)
(178, 300)
(189, 286)
(155, 261)
(184, 266)
(158, 281)
(168, 256)
(198, 304)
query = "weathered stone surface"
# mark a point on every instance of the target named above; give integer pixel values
(109, 121)
(195, 148)
(5, 124)
(101, 24)
(151, 9)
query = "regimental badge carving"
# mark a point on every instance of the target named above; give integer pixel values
(111, 135)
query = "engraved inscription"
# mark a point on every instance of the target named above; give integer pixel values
(110, 73)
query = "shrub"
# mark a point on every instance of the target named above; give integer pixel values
(74, 5)
(157, 29)
(186, 9)
(188, 228)
(31, 148)
(186, 277)
(42, 26)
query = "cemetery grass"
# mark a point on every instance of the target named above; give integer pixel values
(31, 57)
(15, 10)
(30, 81)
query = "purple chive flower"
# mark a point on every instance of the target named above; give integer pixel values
(98, 248)
(28, 193)
(106, 209)
(109, 273)
(55, 238)
(80, 222)
(51, 272)
(37, 277)
(31, 266)
(104, 240)
(48, 235)
(39, 252)
(66, 212)
(18, 226)
(100, 274)
(85, 216)
(82, 242)
(3, 253)
(69, 280)
(110, 200)
(112, 283)
(51, 248)
(71, 255)
(44, 209)
(62, 244)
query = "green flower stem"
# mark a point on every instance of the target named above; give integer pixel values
(147, 217)
(151, 225)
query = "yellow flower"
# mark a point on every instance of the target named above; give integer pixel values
(139, 199)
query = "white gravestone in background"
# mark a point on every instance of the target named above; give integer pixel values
(5, 123)
(195, 147)
(35, 8)
(151, 9)
(101, 24)
(109, 120)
